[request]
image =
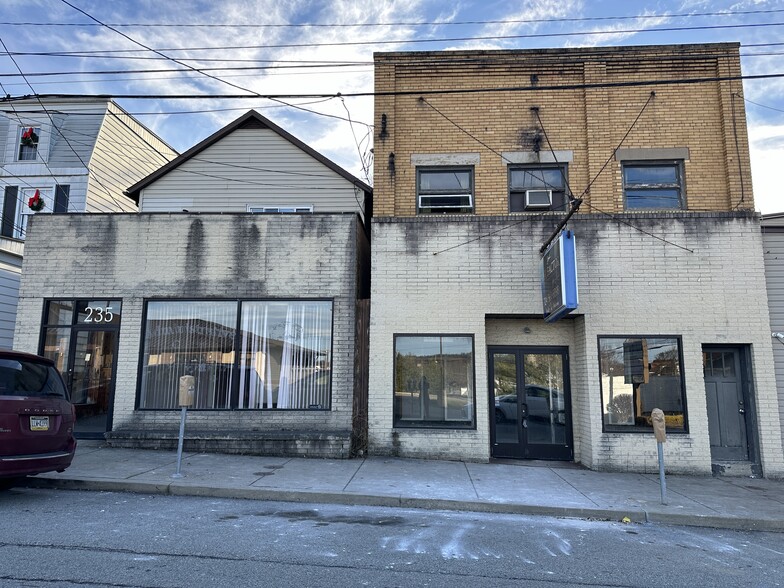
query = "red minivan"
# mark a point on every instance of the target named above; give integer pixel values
(36, 417)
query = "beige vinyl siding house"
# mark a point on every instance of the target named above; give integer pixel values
(252, 165)
(86, 152)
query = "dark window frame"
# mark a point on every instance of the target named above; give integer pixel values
(470, 192)
(637, 429)
(398, 423)
(680, 185)
(234, 391)
(563, 167)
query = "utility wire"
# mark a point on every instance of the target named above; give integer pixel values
(156, 51)
(537, 88)
(403, 23)
(623, 221)
(757, 103)
(409, 41)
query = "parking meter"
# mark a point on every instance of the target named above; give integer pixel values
(657, 418)
(187, 390)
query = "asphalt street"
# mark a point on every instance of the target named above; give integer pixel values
(51, 537)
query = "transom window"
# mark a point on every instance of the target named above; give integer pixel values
(434, 381)
(445, 190)
(639, 374)
(28, 143)
(653, 186)
(537, 188)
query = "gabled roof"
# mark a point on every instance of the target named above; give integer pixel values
(250, 119)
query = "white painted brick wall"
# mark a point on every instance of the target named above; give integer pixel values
(630, 284)
(135, 257)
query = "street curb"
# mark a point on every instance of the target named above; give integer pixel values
(397, 501)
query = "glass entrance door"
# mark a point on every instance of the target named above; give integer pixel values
(530, 403)
(81, 337)
(91, 378)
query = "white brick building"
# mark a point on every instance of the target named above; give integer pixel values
(250, 291)
(479, 156)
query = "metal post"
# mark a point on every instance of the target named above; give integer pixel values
(662, 481)
(177, 474)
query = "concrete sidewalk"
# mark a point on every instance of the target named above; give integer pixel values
(565, 490)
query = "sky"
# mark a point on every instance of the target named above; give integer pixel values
(326, 47)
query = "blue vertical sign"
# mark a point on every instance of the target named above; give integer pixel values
(559, 277)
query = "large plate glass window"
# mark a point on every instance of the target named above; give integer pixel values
(653, 185)
(434, 381)
(445, 190)
(534, 188)
(243, 355)
(639, 374)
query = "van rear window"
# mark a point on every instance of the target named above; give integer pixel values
(29, 378)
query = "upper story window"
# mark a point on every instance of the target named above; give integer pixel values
(445, 190)
(280, 209)
(541, 187)
(653, 185)
(28, 143)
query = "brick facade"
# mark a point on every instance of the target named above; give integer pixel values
(204, 256)
(705, 284)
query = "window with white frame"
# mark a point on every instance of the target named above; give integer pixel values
(537, 187)
(445, 190)
(280, 209)
(27, 204)
(653, 185)
(28, 143)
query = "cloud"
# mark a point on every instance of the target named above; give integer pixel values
(766, 143)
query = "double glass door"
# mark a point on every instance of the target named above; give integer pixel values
(530, 403)
(81, 337)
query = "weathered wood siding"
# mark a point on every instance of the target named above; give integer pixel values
(251, 167)
(125, 152)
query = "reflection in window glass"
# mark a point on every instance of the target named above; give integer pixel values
(639, 374)
(653, 186)
(434, 379)
(280, 358)
(188, 338)
(285, 355)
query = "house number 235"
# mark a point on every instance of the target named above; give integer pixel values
(98, 314)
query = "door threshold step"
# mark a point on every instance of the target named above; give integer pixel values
(735, 469)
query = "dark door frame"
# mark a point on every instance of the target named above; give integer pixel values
(69, 375)
(749, 402)
(523, 449)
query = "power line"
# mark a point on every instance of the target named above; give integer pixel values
(56, 129)
(758, 104)
(157, 52)
(445, 91)
(402, 23)
(406, 41)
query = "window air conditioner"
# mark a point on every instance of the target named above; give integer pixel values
(538, 198)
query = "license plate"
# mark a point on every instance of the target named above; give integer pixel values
(39, 423)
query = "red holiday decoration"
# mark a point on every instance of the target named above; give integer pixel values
(36, 203)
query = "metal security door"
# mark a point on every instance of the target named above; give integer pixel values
(530, 403)
(726, 407)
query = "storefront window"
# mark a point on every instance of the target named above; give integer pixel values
(434, 381)
(639, 374)
(243, 355)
